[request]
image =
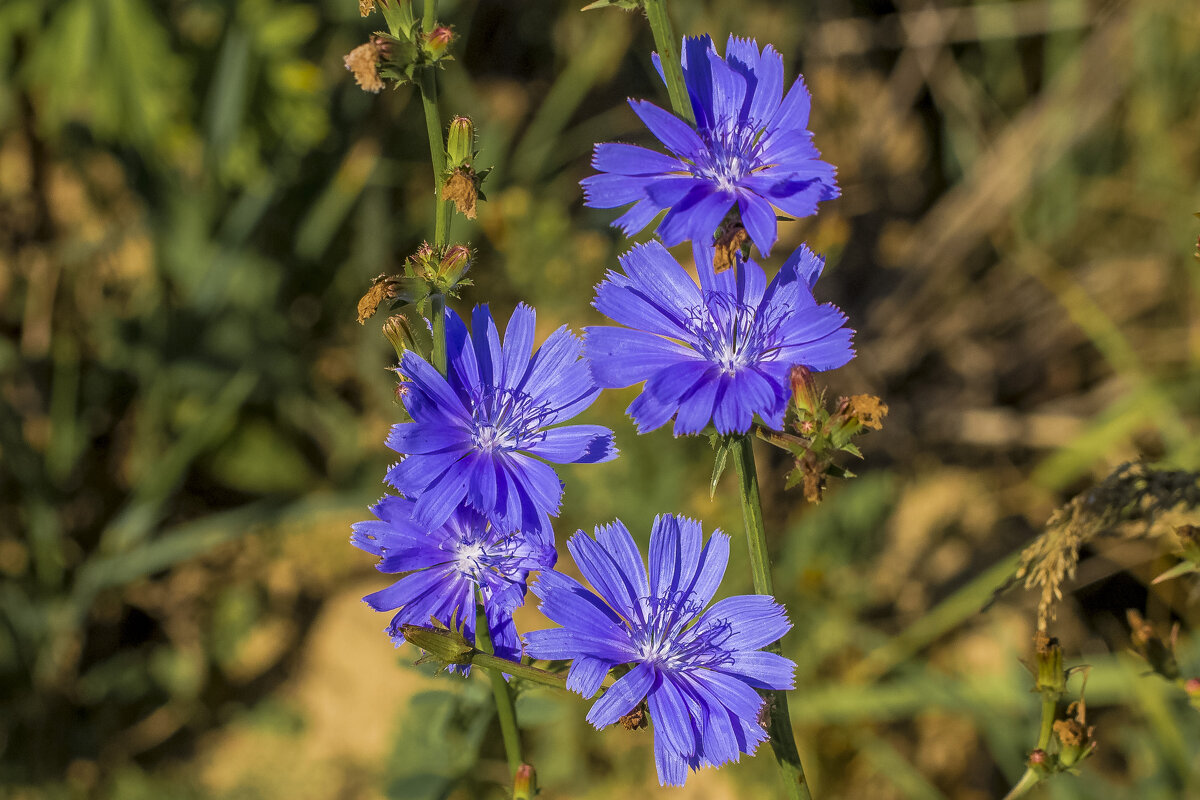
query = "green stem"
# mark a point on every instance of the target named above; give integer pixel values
(783, 740)
(1049, 710)
(427, 83)
(437, 310)
(430, 18)
(505, 710)
(1029, 780)
(668, 56)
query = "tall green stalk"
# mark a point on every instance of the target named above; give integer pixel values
(783, 740)
(668, 56)
(506, 710)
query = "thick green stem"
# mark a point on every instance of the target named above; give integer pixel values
(1049, 710)
(668, 56)
(783, 740)
(427, 83)
(506, 711)
(430, 17)
(1029, 780)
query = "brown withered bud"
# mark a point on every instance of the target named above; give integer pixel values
(868, 409)
(727, 247)
(365, 7)
(363, 61)
(462, 188)
(398, 332)
(635, 720)
(1070, 732)
(1189, 535)
(382, 288)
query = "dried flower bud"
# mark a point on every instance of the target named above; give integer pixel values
(727, 246)
(636, 719)
(382, 287)
(363, 61)
(460, 142)
(365, 7)
(462, 188)
(438, 40)
(868, 409)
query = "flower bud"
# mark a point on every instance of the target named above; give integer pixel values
(397, 331)
(1038, 757)
(525, 783)
(804, 391)
(446, 646)
(460, 143)
(438, 40)
(1051, 678)
(454, 265)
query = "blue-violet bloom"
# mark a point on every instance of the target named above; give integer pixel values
(751, 147)
(697, 671)
(719, 352)
(482, 434)
(447, 566)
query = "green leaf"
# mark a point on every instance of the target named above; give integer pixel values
(719, 463)
(628, 5)
(1182, 568)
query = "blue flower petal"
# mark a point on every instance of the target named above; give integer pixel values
(621, 698)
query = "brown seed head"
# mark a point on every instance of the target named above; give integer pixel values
(363, 61)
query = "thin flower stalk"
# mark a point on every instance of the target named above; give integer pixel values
(506, 710)
(668, 53)
(783, 739)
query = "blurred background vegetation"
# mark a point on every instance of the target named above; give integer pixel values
(193, 195)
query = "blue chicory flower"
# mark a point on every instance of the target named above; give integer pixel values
(448, 566)
(482, 434)
(719, 352)
(749, 147)
(697, 671)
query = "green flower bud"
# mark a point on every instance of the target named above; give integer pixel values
(460, 143)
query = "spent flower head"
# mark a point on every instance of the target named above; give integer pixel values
(696, 670)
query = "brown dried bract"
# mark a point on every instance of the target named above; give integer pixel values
(363, 61)
(365, 7)
(462, 188)
(727, 248)
(382, 288)
(868, 409)
(634, 720)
